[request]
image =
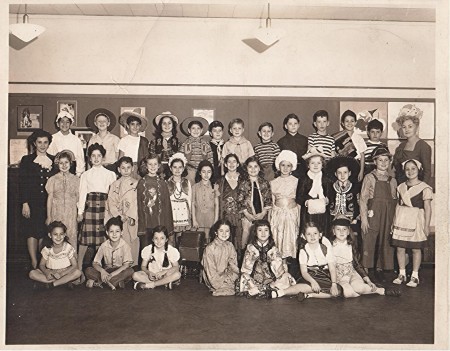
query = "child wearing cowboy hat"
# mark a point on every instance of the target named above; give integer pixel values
(134, 145)
(194, 147)
(377, 206)
(103, 120)
(65, 140)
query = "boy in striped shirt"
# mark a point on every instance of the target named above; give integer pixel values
(374, 131)
(321, 140)
(267, 150)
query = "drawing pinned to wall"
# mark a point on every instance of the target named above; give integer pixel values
(423, 110)
(207, 114)
(84, 137)
(29, 117)
(71, 107)
(365, 112)
(17, 149)
(137, 110)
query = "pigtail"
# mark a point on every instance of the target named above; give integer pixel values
(166, 262)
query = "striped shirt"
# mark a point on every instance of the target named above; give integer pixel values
(325, 142)
(267, 152)
(368, 153)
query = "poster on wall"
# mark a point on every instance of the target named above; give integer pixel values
(207, 114)
(71, 107)
(140, 110)
(17, 149)
(424, 110)
(29, 117)
(84, 136)
(365, 112)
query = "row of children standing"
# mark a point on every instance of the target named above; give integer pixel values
(181, 204)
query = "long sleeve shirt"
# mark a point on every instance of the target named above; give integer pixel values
(70, 142)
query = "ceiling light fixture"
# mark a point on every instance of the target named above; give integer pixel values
(268, 36)
(26, 31)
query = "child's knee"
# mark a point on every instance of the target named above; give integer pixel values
(136, 275)
(77, 273)
(33, 274)
(177, 275)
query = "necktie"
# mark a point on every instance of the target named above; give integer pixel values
(256, 199)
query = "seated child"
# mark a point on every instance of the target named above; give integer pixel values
(350, 273)
(159, 263)
(58, 264)
(219, 261)
(116, 254)
(317, 266)
(262, 269)
(267, 150)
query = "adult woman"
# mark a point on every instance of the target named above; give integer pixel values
(35, 169)
(166, 142)
(414, 147)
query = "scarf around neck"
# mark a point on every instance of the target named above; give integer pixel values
(316, 191)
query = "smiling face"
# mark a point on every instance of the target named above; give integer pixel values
(312, 235)
(166, 124)
(159, 240)
(263, 233)
(321, 124)
(152, 166)
(134, 128)
(57, 235)
(125, 169)
(409, 128)
(64, 165)
(266, 134)
(223, 233)
(292, 126)
(216, 133)
(341, 232)
(236, 130)
(315, 164)
(206, 173)
(101, 122)
(195, 130)
(349, 123)
(382, 162)
(177, 168)
(96, 158)
(342, 174)
(232, 164)
(64, 124)
(411, 170)
(253, 169)
(41, 145)
(285, 168)
(114, 233)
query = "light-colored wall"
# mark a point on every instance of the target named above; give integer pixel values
(314, 58)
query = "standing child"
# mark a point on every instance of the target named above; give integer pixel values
(133, 145)
(313, 192)
(374, 132)
(411, 225)
(228, 202)
(377, 205)
(65, 140)
(267, 150)
(194, 147)
(317, 266)
(349, 143)
(104, 120)
(154, 207)
(63, 189)
(122, 201)
(205, 199)
(350, 273)
(294, 141)
(262, 270)
(159, 263)
(237, 144)
(285, 215)
(219, 261)
(94, 187)
(180, 191)
(216, 133)
(254, 197)
(116, 254)
(321, 140)
(58, 264)
(166, 142)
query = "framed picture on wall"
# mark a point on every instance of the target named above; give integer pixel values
(71, 107)
(140, 110)
(84, 136)
(29, 117)
(207, 114)
(424, 110)
(365, 112)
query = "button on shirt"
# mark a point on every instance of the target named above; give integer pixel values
(114, 257)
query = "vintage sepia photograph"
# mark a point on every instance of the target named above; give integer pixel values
(225, 174)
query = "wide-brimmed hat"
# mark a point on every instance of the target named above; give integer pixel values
(313, 151)
(184, 125)
(68, 152)
(137, 112)
(90, 119)
(380, 151)
(65, 113)
(162, 115)
(342, 161)
(286, 155)
(341, 220)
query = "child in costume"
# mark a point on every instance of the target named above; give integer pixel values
(267, 150)
(216, 133)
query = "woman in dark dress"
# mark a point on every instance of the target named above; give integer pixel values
(35, 169)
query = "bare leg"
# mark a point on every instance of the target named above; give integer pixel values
(74, 274)
(81, 253)
(401, 257)
(32, 245)
(417, 259)
(39, 276)
(168, 279)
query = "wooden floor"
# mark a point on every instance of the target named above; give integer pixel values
(189, 314)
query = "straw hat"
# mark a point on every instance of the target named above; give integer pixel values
(164, 114)
(90, 119)
(184, 125)
(135, 113)
(313, 151)
(70, 153)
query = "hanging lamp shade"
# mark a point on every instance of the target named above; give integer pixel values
(268, 35)
(26, 31)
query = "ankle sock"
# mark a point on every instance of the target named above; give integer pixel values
(415, 274)
(403, 272)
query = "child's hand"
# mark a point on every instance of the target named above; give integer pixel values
(334, 290)
(259, 216)
(79, 218)
(249, 216)
(49, 276)
(123, 218)
(315, 287)
(131, 221)
(367, 280)
(105, 276)
(56, 275)
(426, 231)
(194, 224)
(151, 276)
(364, 227)
(360, 176)
(26, 210)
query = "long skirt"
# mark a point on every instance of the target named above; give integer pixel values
(285, 224)
(93, 229)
